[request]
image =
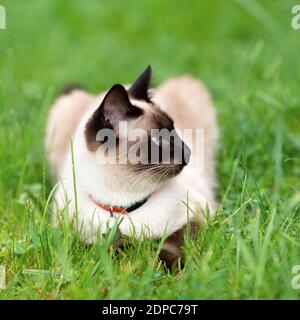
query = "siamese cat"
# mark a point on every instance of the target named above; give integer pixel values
(147, 199)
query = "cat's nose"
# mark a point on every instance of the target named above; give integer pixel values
(186, 154)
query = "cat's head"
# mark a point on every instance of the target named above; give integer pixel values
(134, 139)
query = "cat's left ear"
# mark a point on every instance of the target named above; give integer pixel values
(139, 89)
(115, 107)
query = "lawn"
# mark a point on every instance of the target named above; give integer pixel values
(247, 53)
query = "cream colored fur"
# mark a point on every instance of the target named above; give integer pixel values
(188, 103)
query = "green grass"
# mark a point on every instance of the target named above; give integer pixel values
(247, 54)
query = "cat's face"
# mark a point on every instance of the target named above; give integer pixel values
(134, 139)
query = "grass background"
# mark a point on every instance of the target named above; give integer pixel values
(247, 54)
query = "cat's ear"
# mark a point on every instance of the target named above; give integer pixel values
(117, 107)
(139, 89)
(114, 108)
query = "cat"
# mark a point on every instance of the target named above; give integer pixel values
(152, 200)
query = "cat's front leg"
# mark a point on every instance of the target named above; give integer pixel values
(154, 219)
(164, 213)
(172, 252)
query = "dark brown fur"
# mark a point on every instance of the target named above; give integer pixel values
(176, 241)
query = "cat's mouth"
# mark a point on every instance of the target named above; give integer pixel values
(170, 171)
(174, 170)
(156, 174)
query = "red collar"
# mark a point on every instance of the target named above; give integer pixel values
(120, 210)
(111, 209)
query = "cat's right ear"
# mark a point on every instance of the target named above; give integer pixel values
(139, 89)
(114, 108)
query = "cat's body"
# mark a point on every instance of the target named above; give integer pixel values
(184, 100)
